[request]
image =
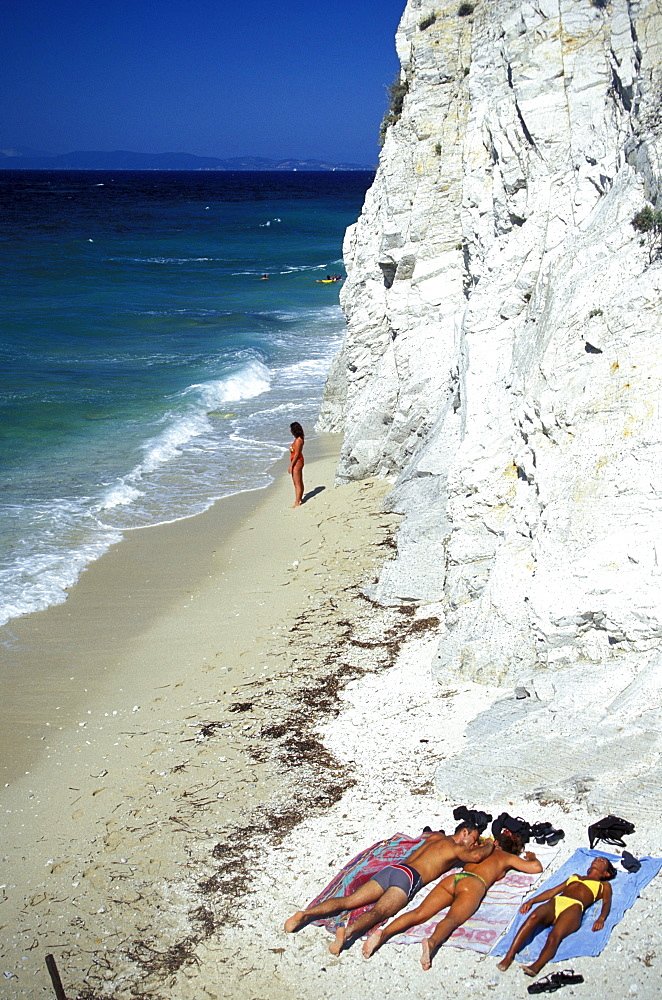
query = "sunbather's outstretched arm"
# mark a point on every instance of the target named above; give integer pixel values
(606, 907)
(542, 897)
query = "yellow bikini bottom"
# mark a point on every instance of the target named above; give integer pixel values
(562, 903)
(461, 875)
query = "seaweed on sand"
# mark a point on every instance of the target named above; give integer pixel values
(280, 732)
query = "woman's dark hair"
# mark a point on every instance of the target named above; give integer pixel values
(611, 871)
(297, 430)
(510, 842)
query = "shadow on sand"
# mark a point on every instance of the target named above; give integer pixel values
(313, 493)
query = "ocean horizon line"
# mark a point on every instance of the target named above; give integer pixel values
(121, 159)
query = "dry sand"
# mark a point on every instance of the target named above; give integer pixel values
(250, 722)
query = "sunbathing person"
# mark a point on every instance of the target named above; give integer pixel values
(464, 893)
(392, 887)
(563, 910)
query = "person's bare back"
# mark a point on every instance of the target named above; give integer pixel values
(439, 853)
(496, 865)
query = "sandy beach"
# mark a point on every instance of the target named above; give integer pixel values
(140, 751)
(224, 720)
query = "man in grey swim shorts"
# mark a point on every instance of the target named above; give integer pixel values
(401, 876)
(392, 887)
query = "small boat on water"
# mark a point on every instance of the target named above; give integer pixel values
(329, 280)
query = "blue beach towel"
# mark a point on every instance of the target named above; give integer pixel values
(625, 888)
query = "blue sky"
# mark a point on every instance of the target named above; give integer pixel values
(210, 77)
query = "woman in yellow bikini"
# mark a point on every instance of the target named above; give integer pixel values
(563, 910)
(464, 893)
(296, 462)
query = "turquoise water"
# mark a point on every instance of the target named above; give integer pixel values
(148, 369)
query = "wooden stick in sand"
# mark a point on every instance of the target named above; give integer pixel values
(55, 978)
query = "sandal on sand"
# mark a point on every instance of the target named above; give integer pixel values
(555, 981)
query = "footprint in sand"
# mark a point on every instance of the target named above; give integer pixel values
(112, 841)
(60, 864)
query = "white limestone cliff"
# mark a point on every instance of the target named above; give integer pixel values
(503, 362)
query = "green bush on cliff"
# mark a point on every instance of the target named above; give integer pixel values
(427, 22)
(397, 91)
(465, 9)
(648, 221)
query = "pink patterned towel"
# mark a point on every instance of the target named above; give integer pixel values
(360, 869)
(503, 900)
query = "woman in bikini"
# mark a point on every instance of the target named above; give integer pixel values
(296, 462)
(463, 892)
(563, 910)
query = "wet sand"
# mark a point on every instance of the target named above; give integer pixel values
(146, 612)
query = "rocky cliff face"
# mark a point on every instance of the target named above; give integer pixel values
(503, 359)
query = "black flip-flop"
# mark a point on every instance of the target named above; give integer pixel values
(555, 981)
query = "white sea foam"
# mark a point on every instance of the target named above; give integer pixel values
(270, 410)
(288, 269)
(169, 443)
(319, 316)
(189, 463)
(188, 432)
(291, 269)
(251, 380)
(163, 260)
(120, 495)
(38, 580)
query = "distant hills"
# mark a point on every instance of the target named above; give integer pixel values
(22, 159)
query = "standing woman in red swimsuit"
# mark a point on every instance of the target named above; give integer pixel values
(296, 462)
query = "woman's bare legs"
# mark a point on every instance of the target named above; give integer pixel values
(438, 899)
(566, 923)
(468, 897)
(367, 893)
(542, 916)
(297, 479)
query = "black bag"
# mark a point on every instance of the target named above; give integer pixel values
(543, 833)
(473, 817)
(513, 823)
(611, 830)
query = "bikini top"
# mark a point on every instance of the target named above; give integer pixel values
(591, 884)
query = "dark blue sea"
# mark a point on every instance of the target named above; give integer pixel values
(147, 367)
